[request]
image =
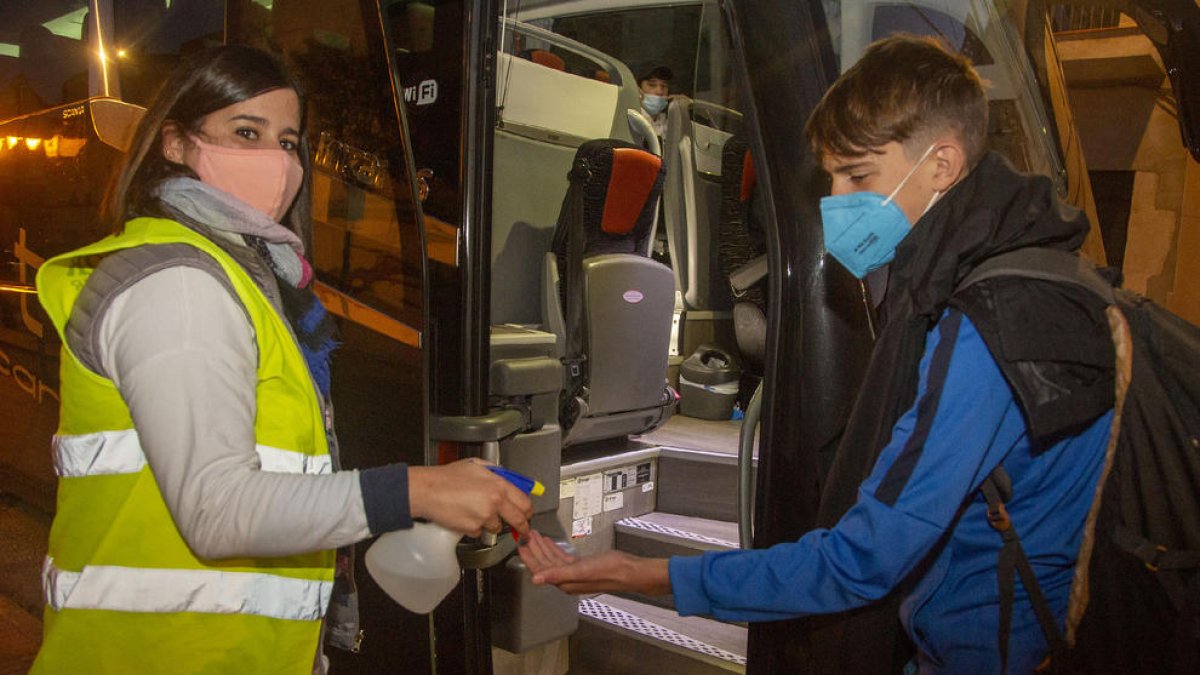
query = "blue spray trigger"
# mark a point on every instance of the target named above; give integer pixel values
(523, 483)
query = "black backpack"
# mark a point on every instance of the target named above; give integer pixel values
(1135, 603)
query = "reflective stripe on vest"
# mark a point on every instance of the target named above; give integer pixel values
(119, 452)
(134, 589)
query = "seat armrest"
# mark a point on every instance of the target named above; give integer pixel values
(741, 279)
(526, 377)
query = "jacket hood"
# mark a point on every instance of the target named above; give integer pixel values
(993, 210)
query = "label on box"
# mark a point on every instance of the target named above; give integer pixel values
(648, 487)
(614, 501)
(566, 488)
(589, 496)
(581, 527)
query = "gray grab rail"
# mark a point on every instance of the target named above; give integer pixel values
(746, 469)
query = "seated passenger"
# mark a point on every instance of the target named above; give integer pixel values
(937, 415)
(655, 86)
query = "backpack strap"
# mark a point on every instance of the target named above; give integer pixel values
(1155, 556)
(1046, 264)
(1069, 268)
(997, 488)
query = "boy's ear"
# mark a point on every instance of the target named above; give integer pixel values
(173, 142)
(950, 162)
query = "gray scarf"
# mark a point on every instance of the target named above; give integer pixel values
(205, 204)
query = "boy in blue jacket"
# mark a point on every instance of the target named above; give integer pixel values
(981, 376)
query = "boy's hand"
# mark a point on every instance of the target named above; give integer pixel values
(612, 571)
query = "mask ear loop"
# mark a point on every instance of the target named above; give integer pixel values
(909, 175)
(932, 200)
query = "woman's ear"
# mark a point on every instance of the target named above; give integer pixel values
(173, 142)
(950, 161)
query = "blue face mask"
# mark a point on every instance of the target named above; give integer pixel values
(863, 229)
(654, 104)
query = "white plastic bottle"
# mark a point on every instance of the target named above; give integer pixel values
(417, 567)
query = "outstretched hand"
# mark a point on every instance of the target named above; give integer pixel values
(466, 497)
(608, 572)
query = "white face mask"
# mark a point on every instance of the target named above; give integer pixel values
(654, 104)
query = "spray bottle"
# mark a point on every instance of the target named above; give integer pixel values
(418, 567)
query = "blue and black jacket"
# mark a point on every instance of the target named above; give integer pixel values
(1015, 372)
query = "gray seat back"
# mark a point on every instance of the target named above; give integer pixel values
(629, 304)
(692, 151)
(609, 304)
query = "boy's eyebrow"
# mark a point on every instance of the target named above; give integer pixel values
(851, 167)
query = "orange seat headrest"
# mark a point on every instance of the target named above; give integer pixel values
(548, 59)
(634, 173)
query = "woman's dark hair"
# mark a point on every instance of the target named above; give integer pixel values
(208, 81)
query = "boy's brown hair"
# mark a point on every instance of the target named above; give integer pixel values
(905, 89)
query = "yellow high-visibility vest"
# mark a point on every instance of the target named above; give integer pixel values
(124, 592)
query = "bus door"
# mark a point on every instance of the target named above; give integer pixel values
(493, 382)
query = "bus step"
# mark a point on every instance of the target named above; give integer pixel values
(695, 483)
(620, 636)
(661, 535)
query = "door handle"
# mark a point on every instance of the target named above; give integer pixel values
(494, 426)
(487, 430)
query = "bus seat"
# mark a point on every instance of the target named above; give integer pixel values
(643, 132)
(696, 133)
(612, 306)
(741, 245)
(545, 58)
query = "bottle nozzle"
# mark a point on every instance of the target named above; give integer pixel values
(523, 483)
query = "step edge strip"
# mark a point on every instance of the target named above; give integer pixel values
(600, 611)
(647, 526)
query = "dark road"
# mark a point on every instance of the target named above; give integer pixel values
(23, 533)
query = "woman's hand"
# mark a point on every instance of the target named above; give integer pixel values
(465, 496)
(608, 572)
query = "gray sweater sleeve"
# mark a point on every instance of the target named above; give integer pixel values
(181, 351)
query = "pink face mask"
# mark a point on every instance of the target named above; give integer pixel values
(265, 178)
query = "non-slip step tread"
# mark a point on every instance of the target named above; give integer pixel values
(698, 635)
(691, 531)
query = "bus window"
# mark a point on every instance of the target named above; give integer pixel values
(43, 59)
(640, 36)
(427, 40)
(889, 19)
(365, 242)
(984, 33)
(152, 36)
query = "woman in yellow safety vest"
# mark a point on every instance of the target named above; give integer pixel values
(199, 510)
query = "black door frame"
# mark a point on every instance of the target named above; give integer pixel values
(819, 337)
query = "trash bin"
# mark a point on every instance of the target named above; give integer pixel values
(708, 384)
